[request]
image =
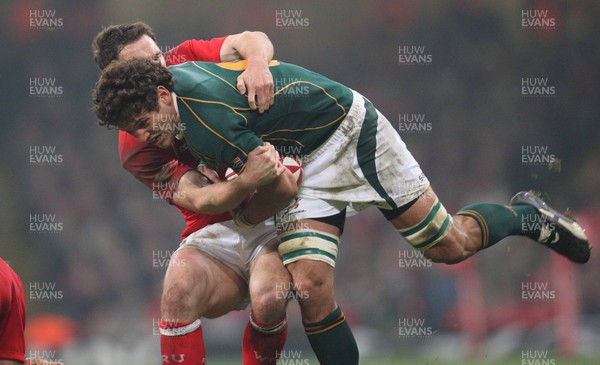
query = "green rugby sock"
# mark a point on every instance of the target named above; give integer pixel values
(498, 221)
(332, 340)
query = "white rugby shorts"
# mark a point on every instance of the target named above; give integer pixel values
(233, 246)
(364, 163)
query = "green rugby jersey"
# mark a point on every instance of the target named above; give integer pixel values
(220, 127)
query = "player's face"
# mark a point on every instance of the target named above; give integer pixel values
(146, 48)
(158, 128)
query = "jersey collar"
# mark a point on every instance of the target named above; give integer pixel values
(178, 135)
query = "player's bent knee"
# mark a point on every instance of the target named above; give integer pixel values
(269, 306)
(431, 230)
(313, 286)
(310, 281)
(270, 295)
(447, 252)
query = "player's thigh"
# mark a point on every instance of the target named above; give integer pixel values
(384, 161)
(310, 230)
(267, 272)
(309, 240)
(269, 284)
(312, 267)
(309, 235)
(417, 212)
(364, 163)
(212, 287)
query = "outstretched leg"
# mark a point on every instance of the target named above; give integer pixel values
(450, 239)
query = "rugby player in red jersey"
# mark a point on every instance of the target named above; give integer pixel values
(12, 320)
(212, 273)
(12, 317)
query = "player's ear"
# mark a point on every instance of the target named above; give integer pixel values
(164, 95)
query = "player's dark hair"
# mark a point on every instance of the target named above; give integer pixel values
(111, 40)
(127, 89)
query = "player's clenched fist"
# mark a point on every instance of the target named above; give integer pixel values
(263, 165)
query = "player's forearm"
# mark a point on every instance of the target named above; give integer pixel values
(223, 197)
(196, 193)
(271, 198)
(255, 47)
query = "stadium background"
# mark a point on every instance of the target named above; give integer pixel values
(92, 277)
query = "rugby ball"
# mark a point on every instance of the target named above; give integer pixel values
(230, 174)
(295, 166)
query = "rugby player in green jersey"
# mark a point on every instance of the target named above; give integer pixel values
(352, 157)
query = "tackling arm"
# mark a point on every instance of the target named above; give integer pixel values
(195, 192)
(252, 46)
(263, 171)
(256, 80)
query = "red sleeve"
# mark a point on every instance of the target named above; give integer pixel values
(12, 315)
(195, 50)
(153, 166)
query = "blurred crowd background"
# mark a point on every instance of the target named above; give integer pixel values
(101, 260)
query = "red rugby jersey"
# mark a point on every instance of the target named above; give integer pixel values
(12, 315)
(160, 169)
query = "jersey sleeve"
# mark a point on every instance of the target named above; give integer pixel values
(217, 132)
(151, 166)
(195, 50)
